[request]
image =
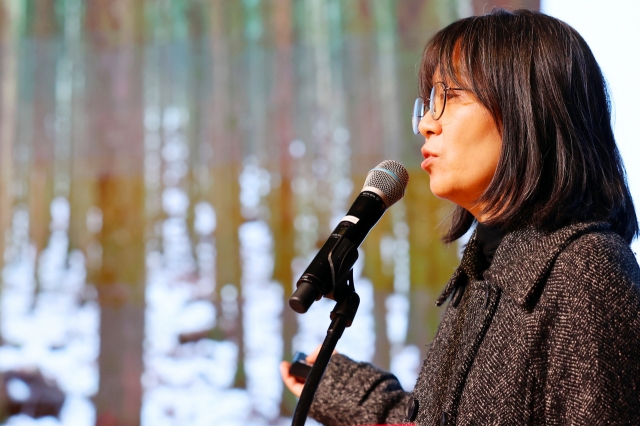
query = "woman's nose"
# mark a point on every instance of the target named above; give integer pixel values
(429, 126)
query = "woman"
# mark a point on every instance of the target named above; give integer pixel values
(543, 322)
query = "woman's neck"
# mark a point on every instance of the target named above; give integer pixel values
(488, 238)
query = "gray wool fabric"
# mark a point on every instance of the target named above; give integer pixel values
(548, 335)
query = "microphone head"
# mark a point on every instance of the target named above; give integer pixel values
(389, 180)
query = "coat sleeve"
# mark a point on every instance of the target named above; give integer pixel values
(594, 358)
(352, 393)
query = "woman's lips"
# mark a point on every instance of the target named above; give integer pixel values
(428, 159)
(426, 164)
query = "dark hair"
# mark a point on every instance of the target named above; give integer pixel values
(538, 78)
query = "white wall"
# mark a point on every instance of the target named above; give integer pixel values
(612, 31)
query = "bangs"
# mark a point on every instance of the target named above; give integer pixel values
(455, 57)
(438, 60)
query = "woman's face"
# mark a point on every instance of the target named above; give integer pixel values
(461, 150)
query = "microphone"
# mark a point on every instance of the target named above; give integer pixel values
(384, 186)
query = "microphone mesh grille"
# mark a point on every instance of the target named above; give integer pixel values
(391, 178)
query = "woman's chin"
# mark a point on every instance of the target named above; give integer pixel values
(439, 192)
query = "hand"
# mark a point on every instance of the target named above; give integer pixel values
(294, 385)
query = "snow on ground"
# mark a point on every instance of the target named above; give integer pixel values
(55, 331)
(50, 316)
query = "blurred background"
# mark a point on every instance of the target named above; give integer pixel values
(168, 168)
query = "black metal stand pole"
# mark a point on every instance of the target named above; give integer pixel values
(341, 317)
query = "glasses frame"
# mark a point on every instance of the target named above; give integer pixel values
(419, 106)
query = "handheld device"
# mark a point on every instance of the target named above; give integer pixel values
(300, 368)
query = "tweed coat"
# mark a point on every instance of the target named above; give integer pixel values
(549, 334)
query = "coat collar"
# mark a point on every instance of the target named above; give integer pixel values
(521, 262)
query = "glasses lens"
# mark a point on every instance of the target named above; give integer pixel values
(437, 101)
(418, 113)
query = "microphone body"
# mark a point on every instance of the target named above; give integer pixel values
(384, 186)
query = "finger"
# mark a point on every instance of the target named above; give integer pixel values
(290, 381)
(284, 370)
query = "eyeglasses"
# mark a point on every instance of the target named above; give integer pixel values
(437, 102)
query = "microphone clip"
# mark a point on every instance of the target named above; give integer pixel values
(341, 257)
(344, 289)
(347, 300)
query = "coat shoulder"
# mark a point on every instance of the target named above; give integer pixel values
(600, 266)
(603, 254)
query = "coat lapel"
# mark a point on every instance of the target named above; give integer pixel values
(471, 266)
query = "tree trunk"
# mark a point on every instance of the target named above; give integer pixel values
(44, 27)
(281, 198)
(224, 194)
(382, 275)
(225, 191)
(120, 284)
(115, 124)
(82, 178)
(197, 175)
(8, 106)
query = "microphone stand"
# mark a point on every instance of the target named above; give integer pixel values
(341, 317)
